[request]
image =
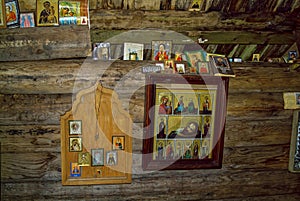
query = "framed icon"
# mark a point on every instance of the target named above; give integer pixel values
(133, 51)
(161, 50)
(27, 20)
(12, 13)
(75, 170)
(111, 158)
(179, 68)
(101, 51)
(84, 159)
(69, 11)
(75, 127)
(75, 144)
(184, 121)
(256, 57)
(98, 157)
(203, 68)
(118, 142)
(47, 13)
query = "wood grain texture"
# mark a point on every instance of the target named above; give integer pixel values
(27, 44)
(74, 75)
(229, 6)
(100, 112)
(34, 94)
(45, 166)
(195, 185)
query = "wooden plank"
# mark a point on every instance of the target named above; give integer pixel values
(128, 20)
(31, 138)
(34, 109)
(197, 184)
(46, 109)
(242, 37)
(192, 24)
(27, 44)
(213, 37)
(239, 133)
(264, 80)
(31, 77)
(46, 165)
(73, 75)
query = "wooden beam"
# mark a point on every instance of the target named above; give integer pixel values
(27, 44)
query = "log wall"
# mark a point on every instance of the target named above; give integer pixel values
(36, 89)
(257, 137)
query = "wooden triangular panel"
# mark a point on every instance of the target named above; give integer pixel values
(101, 128)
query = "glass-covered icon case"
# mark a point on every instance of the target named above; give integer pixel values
(184, 121)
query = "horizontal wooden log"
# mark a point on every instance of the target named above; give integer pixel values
(34, 109)
(282, 197)
(38, 166)
(180, 36)
(207, 185)
(41, 109)
(239, 133)
(265, 79)
(74, 75)
(178, 20)
(31, 138)
(230, 6)
(27, 44)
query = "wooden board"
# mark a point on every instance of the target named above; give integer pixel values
(96, 140)
(40, 43)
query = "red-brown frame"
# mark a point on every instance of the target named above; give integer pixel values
(148, 163)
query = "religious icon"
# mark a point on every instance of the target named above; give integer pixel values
(179, 149)
(133, 51)
(179, 68)
(84, 159)
(195, 149)
(169, 65)
(12, 13)
(161, 50)
(170, 150)
(255, 57)
(75, 144)
(75, 127)
(196, 5)
(205, 103)
(75, 170)
(118, 142)
(47, 13)
(27, 20)
(165, 105)
(69, 11)
(206, 127)
(203, 68)
(162, 128)
(160, 149)
(111, 158)
(292, 56)
(97, 157)
(101, 51)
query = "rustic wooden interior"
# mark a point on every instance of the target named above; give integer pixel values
(41, 71)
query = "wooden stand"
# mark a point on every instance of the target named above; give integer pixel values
(99, 128)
